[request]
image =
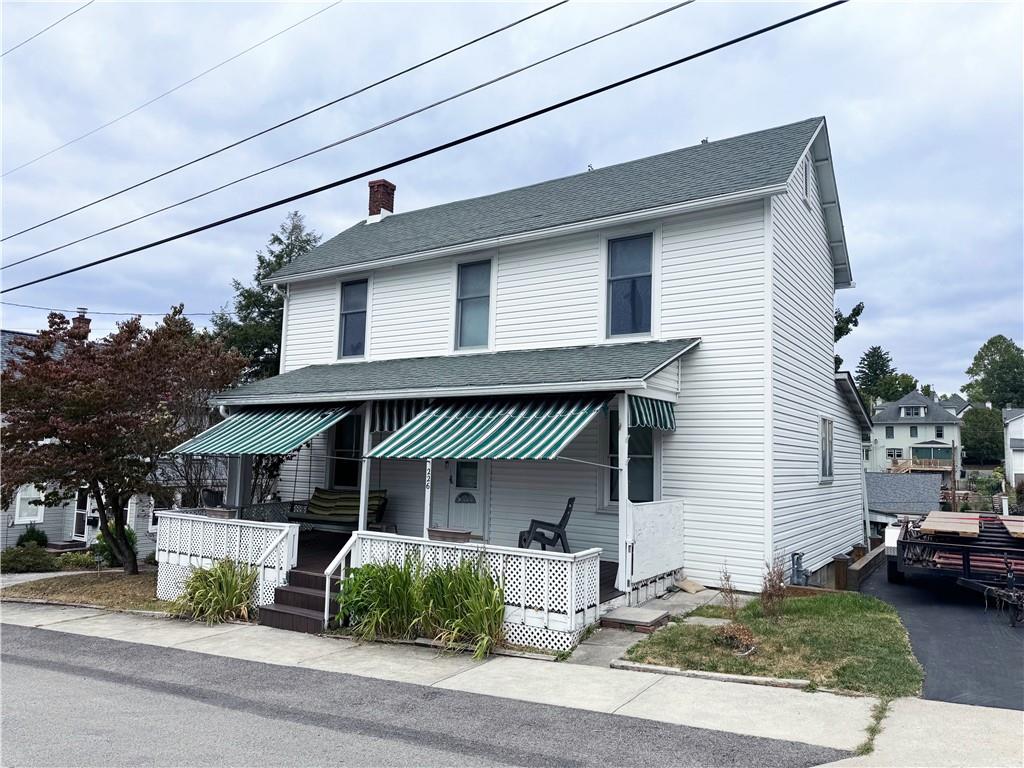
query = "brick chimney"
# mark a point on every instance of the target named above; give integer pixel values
(382, 197)
(80, 324)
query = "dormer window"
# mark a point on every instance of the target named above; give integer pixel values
(912, 411)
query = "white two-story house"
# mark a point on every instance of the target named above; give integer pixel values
(915, 434)
(660, 329)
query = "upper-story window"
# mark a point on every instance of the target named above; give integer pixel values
(352, 335)
(913, 431)
(629, 285)
(473, 305)
(890, 432)
(940, 432)
(912, 410)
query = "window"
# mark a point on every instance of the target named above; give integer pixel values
(867, 454)
(826, 449)
(913, 431)
(466, 474)
(641, 461)
(352, 335)
(940, 432)
(629, 285)
(348, 442)
(473, 305)
(890, 433)
(24, 510)
(894, 453)
(912, 410)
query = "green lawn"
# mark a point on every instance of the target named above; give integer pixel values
(843, 640)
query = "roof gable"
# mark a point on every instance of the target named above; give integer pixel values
(742, 164)
(934, 413)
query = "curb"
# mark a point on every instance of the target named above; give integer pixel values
(775, 682)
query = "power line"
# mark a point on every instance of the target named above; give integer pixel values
(169, 91)
(293, 119)
(44, 29)
(119, 314)
(353, 136)
(437, 148)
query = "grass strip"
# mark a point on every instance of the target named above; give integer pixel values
(107, 589)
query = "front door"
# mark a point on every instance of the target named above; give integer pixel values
(467, 499)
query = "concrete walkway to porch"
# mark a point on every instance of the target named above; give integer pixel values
(814, 718)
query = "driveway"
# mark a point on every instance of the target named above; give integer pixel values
(970, 655)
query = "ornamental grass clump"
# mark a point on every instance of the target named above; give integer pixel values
(456, 605)
(221, 593)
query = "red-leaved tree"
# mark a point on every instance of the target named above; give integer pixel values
(99, 414)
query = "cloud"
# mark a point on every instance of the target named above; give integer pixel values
(923, 102)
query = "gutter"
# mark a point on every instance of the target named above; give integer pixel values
(537, 234)
(428, 392)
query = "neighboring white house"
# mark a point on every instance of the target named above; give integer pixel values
(663, 326)
(914, 434)
(1013, 445)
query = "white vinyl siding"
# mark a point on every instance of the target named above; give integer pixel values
(412, 310)
(712, 287)
(52, 525)
(548, 293)
(311, 330)
(820, 520)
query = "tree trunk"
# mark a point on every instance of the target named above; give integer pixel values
(115, 535)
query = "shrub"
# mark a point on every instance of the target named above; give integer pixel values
(382, 600)
(28, 558)
(455, 605)
(101, 547)
(965, 506)
(33, 535)
(76, 561)
(737, 636)
(217, 594)
(150, 559)
(773, 588)
(463, 605)
(728, 592)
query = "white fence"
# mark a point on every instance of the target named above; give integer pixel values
(550, 597)
(185, 542)
(656, 545)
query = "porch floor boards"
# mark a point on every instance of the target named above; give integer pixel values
(318, 548)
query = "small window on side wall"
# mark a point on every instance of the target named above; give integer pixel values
(473, 305)
(826, 465)
(629, 285)
(24, 510)
(352, 335)
(890, 432)
(940, 432)
(641, 461)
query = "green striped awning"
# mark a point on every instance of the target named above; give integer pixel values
(265, 430)
(389, 415)
(647, 412)
(538, 427)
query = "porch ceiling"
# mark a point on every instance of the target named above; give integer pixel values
(605, 367)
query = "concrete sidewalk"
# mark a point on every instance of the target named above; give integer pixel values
(821, 719)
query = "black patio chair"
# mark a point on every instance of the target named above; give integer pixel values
(548, 534)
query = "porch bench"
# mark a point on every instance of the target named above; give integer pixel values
(340, 510)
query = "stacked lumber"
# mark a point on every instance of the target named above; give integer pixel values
(951, 524)
(1014, 526)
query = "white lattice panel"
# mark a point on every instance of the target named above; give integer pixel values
(542, 638)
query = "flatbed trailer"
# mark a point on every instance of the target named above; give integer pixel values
(990, 562)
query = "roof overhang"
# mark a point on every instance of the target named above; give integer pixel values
(846, 385)
(821, 155)
(539, 234)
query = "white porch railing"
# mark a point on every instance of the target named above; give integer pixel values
(185, 542)
(656, 544)
(550, 597)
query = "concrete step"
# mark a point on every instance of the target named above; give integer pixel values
(292, 618)
(66, 546)
(635, 619)
(300, 597)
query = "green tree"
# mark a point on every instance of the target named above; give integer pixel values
(874, 367)
(895, 386)
(255, 328)
(982, 433)
(845, 324)
(997, 374)
(927, 390)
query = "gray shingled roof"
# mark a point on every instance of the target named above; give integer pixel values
(914, 493)
(934, 413)
(955, 402)
(9, 345)
(1009, 414)
(733, 165)
(585, 366)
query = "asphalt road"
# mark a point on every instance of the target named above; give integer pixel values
(74, 700)
(970, 655)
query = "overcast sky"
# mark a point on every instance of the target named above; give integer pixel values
(923, 101)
